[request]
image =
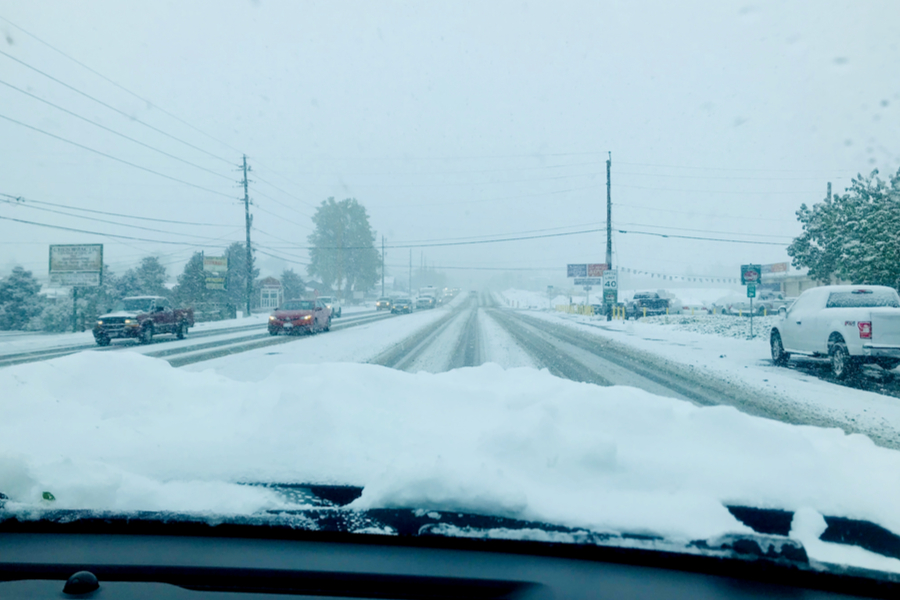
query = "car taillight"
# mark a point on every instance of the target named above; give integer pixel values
(865, 329)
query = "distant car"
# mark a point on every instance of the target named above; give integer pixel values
(425, 302)
(402, 306)
(383, 304)
(298, 316)
(646, 304)
(332, 304)
(851, 325)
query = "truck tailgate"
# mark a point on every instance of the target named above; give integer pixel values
(886, 327)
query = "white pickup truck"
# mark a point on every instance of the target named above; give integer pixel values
(850, 324)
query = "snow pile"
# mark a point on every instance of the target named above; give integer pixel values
(125, 432)
(721, 325)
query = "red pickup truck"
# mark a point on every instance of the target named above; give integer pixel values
(142, 317)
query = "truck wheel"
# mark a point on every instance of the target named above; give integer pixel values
(181, 331)
(102, 340)
(147, 334)
(327, 325)
(842, 364)
(779, 356)
(339, 313)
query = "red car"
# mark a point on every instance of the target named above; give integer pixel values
(298, 316)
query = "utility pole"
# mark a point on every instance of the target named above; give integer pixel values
(382, 266)
(829, 192)
(249, 254)
(410, 273)
(608, 214)
(608, 229)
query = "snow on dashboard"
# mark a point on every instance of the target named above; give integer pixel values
(124, 432)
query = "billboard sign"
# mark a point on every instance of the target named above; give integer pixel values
(750, 274)
(588, 281)
(76, 265)
(576, 271)
(781, 267)
(597, 269)
(216, 269)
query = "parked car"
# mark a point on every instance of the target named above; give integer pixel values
(142, 317)
(383, 304)
(851, 325)
(646, 304)
(298, 316)
(402, 306)
(332, 304)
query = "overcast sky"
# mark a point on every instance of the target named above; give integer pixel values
(446, 120)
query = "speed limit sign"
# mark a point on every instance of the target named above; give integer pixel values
(611, 280)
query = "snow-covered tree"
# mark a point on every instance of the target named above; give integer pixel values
(19, 299)
(292, 285)
(854, 237)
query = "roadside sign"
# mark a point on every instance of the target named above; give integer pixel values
(611, 280)
(597, 269)
(216, 269)
(588, 281)
(610, 296)
(76, 265)
(751, 290)
(750, 274)
(576, 270)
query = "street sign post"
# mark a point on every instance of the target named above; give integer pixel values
(76, 265)
(596, 269)
(750, 276)
(610, 287)
(216, 270)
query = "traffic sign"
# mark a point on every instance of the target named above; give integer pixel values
(751, 290)
(611, 280)
(588, 281)
(576, 270)
(750, 274)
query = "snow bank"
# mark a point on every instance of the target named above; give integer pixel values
(126, 432)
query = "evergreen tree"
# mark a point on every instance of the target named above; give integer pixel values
(19, 299)
(854, 237)
(191, 288)
(343, 254)
(147, 279)
(236, 280)
(292, 285)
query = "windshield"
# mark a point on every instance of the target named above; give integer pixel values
(299, 305)
(547, 251)
(863, 299)
(134, 305)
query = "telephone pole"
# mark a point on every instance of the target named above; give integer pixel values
(247, 220)
(829, 192)
(608, 213)
(382, 266)
(410, 274)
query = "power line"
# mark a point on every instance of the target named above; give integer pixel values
(98, 220)
(738, 169)
(729, 178)
(284, 192)
(693, 212)
(280, 203)
(467, 183)
(113, 131)
(258, 207)
(467, 171)
(23, 200)
(641, 187)
(123, 161)
(296, 262)
(121, 87)
(488, 200)
(110, 107)
(706, 239)
(109, 235)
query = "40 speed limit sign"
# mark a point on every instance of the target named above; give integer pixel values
(610, 286)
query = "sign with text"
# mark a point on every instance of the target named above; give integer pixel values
(596, 270)
(751, 290)
(750, 274)
(610, 286)
(588, 281)
(216, 270)
(576, 270)
(79, 265)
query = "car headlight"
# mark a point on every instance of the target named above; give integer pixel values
(307, 317)
(271, 317)
(99, 322)
(129, 321)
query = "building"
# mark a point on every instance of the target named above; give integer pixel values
(271, 294)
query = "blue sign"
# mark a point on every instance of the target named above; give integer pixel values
(577, 270)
